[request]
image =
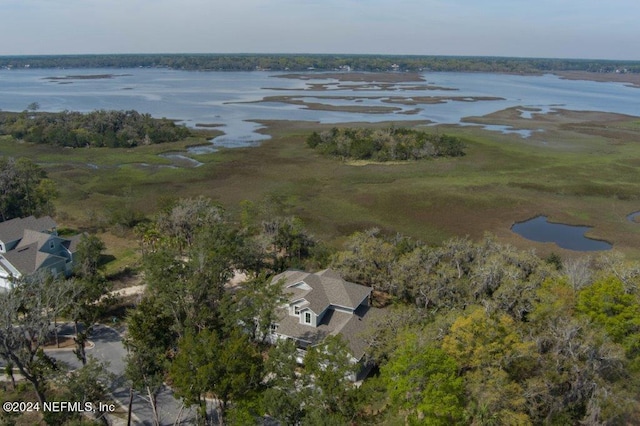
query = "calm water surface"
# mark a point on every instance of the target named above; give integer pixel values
(566, 236)
(221, 97)
(633, 217)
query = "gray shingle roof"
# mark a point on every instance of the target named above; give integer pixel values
(354, 330)
(12, 230)
(24, 259)
(72, 243)
(352, 327)
(326, 290)
(33, 250)
(28, 259)
(33, 237)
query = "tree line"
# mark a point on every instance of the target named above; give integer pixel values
(474, 332)
(101, 128)
(194, 332)
(25, 189)
(482, 333)
(320, 62)
(388, 144)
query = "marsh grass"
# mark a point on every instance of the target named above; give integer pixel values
(568, 172)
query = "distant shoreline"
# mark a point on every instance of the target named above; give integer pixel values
(633, 79)
(298, 63)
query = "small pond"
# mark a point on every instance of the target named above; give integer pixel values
(633, 217)
(566, 236)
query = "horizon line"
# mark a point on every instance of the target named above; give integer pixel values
(314, 54)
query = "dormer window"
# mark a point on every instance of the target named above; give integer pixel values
(296, 310)
(51, 245)
(307, 317)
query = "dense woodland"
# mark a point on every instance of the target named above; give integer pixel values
(25, 189)
(295, 62)
(475, 332)
(391, 144)
(98, 128)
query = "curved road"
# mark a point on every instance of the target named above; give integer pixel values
(108, 347)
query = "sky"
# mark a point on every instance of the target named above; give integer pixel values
(596, 29)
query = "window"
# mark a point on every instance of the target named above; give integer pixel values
(51, 244)
(307, 317)
(273, 327)
(296, 310)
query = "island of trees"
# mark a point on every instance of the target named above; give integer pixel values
(98, 128)
(389, 144)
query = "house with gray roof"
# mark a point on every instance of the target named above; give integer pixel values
(29, 245)
(322, 304)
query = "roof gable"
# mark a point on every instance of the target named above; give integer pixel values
(323, 289)
(13, 230)
(327, 288)
(37, 246)
(29, 259)
(30, 237)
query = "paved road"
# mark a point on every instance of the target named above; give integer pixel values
(109, 347)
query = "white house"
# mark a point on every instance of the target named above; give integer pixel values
(323, 304)
(28, 245)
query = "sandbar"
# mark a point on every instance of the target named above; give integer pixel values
(633, 79)
(383, 77)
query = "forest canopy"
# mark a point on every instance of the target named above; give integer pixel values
(319, 62)
(390, 144)
(97, 128)
(25, 189)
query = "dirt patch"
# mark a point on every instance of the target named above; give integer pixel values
(125, 278)
(135, 290)
(380, 299)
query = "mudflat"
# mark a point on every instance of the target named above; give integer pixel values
(382, 77)
(632, 78)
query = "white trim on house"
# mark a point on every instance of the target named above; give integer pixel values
(29, 245)
(343, 310)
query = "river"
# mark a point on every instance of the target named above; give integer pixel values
(231, 99)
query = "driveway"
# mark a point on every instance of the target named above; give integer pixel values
(108, 347)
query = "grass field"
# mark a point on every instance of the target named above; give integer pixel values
(582, 168)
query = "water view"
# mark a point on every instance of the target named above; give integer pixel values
(234, 100)
(569, 237)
